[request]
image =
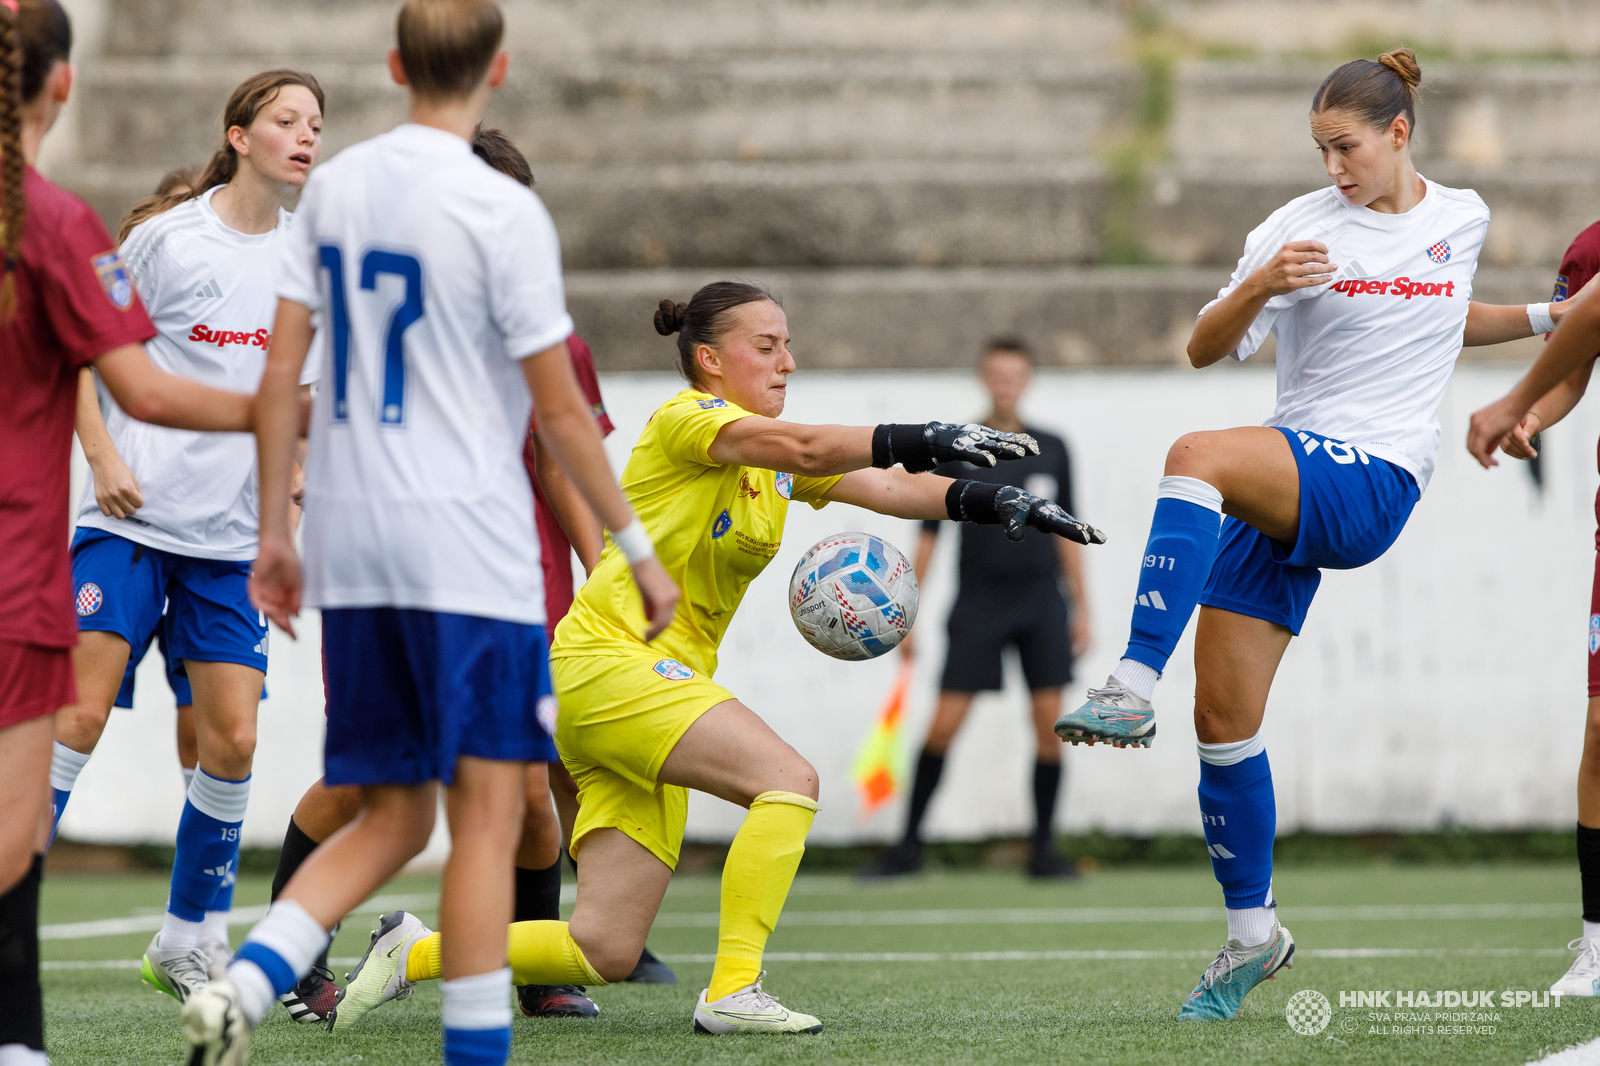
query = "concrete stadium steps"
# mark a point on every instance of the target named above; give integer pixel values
(348, 28)
(1482, 114)
(357, 29)
(621, 111)
(912, 317)
(912, 213)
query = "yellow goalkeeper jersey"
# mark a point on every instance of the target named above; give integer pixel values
(714, 527)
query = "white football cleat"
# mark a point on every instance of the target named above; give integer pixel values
(750, 1010)
(178, 973)
(214, 1024)
(1583, 976)
(380, 976)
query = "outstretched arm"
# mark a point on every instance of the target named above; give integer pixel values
(823, 451)
(1499, 323)
(903, 495)
(116, 489)
(164, 399)
(1569, 347)
(1552, 408)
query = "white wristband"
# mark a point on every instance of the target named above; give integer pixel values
(634, 542)
(1539, 318)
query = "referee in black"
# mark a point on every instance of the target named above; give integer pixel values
(1010, 595)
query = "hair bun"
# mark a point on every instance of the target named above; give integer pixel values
(1403, 61)
(669, 317)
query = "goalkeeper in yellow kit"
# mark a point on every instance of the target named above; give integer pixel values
(642, 723)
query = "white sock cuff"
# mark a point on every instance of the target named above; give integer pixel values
(1190, 490)
(66, 765)
(289, 930)
(1139, 677)
(218, 797)
(1235, 752)
(22, 1055)
(482, 1001)
(1590, 929)
(1251, 925)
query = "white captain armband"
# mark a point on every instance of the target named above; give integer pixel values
(634, 542)
(1539, 318)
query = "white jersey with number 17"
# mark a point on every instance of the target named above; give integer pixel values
(433, 275)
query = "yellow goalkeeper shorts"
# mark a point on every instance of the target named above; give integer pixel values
(620, 716)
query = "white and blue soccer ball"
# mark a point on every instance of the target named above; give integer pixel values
(853, 596)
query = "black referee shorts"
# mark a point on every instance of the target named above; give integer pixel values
(983, 625)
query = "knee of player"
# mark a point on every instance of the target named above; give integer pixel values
(237, 743)
(806, 778)
(612, 955)
(1189, 456)
(1592, 728)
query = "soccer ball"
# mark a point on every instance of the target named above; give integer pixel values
(853, 596)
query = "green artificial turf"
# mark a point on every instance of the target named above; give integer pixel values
(950, 967)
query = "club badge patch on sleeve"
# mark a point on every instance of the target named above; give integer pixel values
(113, 279)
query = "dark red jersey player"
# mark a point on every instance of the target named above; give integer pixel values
(74, 303)
(555, 550)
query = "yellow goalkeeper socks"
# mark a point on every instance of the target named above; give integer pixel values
(541, 953)
(422, 961)
(755, 881)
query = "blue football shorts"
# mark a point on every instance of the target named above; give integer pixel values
(1352, 507)
(201, 607)
(410, 691)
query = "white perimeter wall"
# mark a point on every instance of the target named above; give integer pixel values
(1442, 685)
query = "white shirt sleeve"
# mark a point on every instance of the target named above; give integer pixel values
(1263, 242)
(527, 300)
(298, 275)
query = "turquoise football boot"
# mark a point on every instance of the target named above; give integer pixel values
(1113, 716)
(1233, 973)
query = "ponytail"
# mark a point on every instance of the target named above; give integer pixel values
(244, 104)
(13, 205)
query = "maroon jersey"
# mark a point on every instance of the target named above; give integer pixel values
(75, 302)
(555, 551)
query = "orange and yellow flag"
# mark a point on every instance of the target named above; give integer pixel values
(876, 770)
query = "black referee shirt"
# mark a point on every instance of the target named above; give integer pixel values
(988, 559)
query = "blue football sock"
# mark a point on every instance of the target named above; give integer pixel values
(1177, 561)
(208, 844)
(65, 766)
(477, 1019)
(1240, 817)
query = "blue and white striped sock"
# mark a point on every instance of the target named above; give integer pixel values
(1174, 569)
(208, 848)
(277, 953)
(477, 1019)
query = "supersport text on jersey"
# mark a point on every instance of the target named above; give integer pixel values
(200, 494)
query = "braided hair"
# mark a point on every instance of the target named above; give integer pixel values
(34, 36)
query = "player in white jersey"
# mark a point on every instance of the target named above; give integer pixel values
(177, 532)
(1367, 286)
(438, 283)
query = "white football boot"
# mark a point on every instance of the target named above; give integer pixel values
(380, 976)
(750, 1010)
(177, 973)
(1583, 976)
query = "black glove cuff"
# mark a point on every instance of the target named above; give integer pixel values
(973, 501)
(903, 444)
